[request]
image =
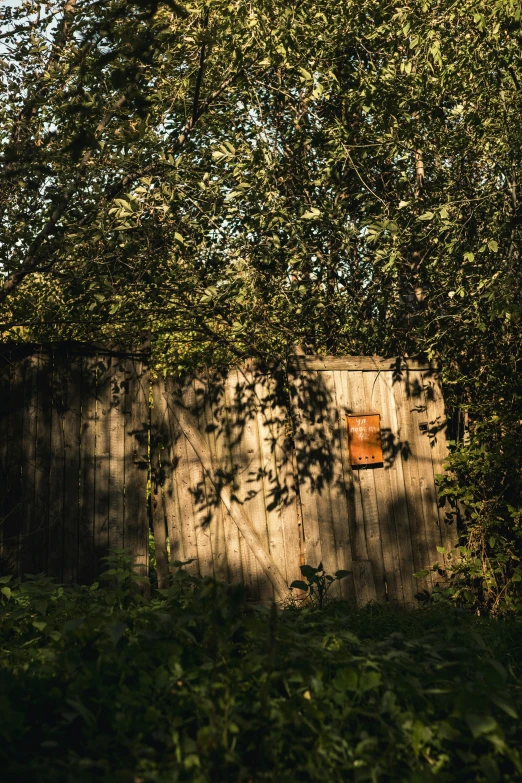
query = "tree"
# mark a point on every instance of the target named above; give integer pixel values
(342, 174)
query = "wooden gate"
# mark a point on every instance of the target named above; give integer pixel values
(73, 458)
(383, 520)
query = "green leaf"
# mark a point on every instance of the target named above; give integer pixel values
(426, 216)
(312, 214)
(481, 724)
(369, 680)
(299, 585)
(505, 704)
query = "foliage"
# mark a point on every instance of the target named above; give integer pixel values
(318, 584)
(484, 484)
(98, 684)
(240, 177)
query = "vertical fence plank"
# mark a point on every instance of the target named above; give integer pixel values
(30, 393)
(183, 535)
(224, 469)
(396, 487)
(117, 453)
(137, 461)
(247, 457)
(71, 438)
(436, 435)
(169, 474)
(57, 466)
(161, 467)
(369, 500)
(340, 506)
(186, 474)
(422, 452)
(200, 486)
(43, 462)
(272, 484)
(350, 482)
(5, 455)
(103, 455)
(212, 434)
(235, 414)
(383, 489)
(309, 456)
(86, 570)
(403, 405)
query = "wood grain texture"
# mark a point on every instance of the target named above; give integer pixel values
(279, 481)
(203, 505)
(240, 437)
(423, 459)
(310, 458)
(5, 400)
(377, 399)
(117, 454)
(404, 403)
(27, 511)
(57, 467)
(160, 464)
(86, 518)
(436, 434)
(173, 483)
(360, 403)
(350, 482)
(103, 456)
(397, 492)
(236, 509)
(136, 423)
(339, 487)
(42, 462)
(252, 456)
(72, 438)
(398, 365)
(212, 432)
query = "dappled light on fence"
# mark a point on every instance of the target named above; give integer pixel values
(250, 470)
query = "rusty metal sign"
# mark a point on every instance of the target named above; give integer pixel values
(364, 439)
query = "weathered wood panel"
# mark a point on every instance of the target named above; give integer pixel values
(87, 504)
(392, 513)
(225, 479)
(136, 422)
(66, 493)
(5, 455)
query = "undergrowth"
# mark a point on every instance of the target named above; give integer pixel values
(99, 684)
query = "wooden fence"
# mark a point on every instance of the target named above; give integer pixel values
(74, 422)
(233, 493)
(251, 474)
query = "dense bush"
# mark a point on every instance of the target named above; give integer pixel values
(195, 685)
(483, 487)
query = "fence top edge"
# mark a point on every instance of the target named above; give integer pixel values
(363, 363)
(80, 348)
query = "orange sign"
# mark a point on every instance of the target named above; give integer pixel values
(364, 439)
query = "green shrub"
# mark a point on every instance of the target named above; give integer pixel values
(101, 685)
